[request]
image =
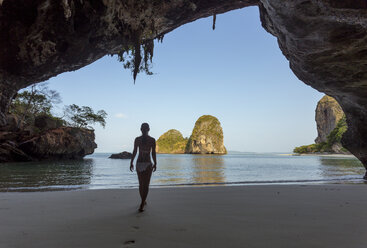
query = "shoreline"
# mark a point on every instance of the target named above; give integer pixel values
(245, 216)
(341, 181)
(320, 154)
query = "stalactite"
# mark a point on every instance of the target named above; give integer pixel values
(137, 55)
(160, 38)
(214, 20)
(148, 51)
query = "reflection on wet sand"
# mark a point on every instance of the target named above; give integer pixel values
(208, 169)
(47, 175)
(334, 167)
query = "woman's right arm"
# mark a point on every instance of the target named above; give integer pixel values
(134, 154)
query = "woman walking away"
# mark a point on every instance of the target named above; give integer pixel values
(144, 166)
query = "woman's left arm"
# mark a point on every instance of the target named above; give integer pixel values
(154, 156)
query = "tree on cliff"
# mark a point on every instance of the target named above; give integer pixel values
(83, 116)
(36, 100)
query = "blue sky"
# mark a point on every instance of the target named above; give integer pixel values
(236, 73)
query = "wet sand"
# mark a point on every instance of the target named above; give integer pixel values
(239, 216)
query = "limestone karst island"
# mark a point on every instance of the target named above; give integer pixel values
(206, 138)
(331, 125)
(183, 123)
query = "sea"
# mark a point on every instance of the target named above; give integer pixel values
(97, 171)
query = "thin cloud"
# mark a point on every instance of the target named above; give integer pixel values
(120, 116)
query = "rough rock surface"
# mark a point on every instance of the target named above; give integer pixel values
(206, 137)
(328, 114)
(171, 141)
(331, 126)
(45, 38)
(60, 143)
(338, 148)
(122, 155)
(324, 41)
(46, 138)
(9, 152)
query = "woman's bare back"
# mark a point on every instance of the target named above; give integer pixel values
(145, 148)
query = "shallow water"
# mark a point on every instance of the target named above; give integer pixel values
(97, 171)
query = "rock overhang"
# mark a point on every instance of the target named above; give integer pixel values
(325, 42)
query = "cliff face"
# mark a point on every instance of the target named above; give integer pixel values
(60, 143)
(171, 141)
(328, 114)
(323, 40)
(324, 43)
(206, 137)
(46, 140)
(331, 127)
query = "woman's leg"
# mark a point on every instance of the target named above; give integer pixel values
(140, 178)
(146, 175)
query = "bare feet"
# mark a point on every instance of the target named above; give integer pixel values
(141, 208)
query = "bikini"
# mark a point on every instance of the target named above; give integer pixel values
(143, 166)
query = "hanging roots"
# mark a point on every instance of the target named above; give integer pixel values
(132, 57)
(214, 20)
(138, 56)
(160, 38)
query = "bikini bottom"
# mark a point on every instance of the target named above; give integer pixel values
(143, 166)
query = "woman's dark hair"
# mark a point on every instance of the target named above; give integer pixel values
(144, 129)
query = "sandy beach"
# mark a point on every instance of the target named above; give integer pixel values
(238, 216)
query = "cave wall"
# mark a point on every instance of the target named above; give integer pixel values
(326, 45)
(324, 41)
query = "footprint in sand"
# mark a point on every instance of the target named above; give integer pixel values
(135, 228)
(129, 243)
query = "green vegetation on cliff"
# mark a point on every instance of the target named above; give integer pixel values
(334, 138)
(327, 115)
(337, 134)
(206, 137)
(83, 116)
(171, 141)
(207, 124)
(34, 106)
(35, 101)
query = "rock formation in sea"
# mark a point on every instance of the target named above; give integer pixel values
(331, 126)
(323, 40)
(206, 137)
(122, 155)
(47, 139)
(328, 114)
(171, 141)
